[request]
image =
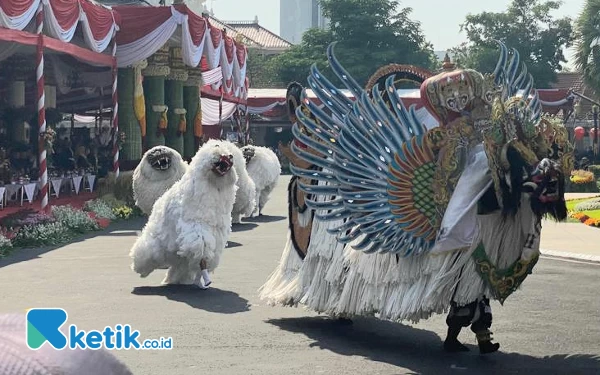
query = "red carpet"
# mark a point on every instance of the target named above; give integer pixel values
(76, 201)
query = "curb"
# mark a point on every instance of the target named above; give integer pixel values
(571, 256)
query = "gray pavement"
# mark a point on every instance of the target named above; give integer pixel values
(551, 326)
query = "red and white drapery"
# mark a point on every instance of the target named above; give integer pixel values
(145, 30)
(239, 69)
(61, 18)
(215, 112)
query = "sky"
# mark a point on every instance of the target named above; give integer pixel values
(440, 27)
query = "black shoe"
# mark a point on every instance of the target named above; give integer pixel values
(451, 344)
(454, 346)
(486, 346)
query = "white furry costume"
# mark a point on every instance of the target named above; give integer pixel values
(245, 200)
(160, 168)
(192, 220)
(264, 169)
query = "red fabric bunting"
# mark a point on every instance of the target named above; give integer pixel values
(241, 53)
(79, 53)
(137, 22)
(66, 12)
(228, 44)
(100, 19)
(216, 36)
(15, 8)
(197, 24)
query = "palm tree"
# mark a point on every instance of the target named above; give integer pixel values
(587, 56)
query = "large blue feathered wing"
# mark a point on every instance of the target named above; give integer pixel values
(376, 161)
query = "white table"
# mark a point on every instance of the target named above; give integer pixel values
(27, 190)
(13, 190)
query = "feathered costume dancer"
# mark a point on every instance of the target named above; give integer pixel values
(427, 220)
(160, 168)
(264, 168)
(190, 223)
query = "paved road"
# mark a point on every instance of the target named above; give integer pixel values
(552, 326)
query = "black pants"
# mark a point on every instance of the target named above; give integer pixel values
(476, 314)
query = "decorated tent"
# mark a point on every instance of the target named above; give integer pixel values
(168, 74)
(189, 74)
(60, 30)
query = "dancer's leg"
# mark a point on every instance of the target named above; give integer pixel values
(458, 317)
(204, 272)
(481, 328)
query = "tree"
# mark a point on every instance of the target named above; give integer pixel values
(526, 26)
(260, 70)
(294, 64)
(370, 34)
(587, 56)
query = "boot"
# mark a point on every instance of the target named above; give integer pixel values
(451, 344)
(484, 339)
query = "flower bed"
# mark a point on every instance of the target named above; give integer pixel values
(29, 228)
(587, 220)
(586, 211)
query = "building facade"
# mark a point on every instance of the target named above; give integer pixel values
(297, 16)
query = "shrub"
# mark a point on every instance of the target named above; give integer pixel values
(592, 204)
(100, 208)
(75, 220)
(5, 245)
(595, 169)
(112, 201)
(42, 234)
(123, 212)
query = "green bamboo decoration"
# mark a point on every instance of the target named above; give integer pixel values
(154, 90)
(174, 100)
(128, 123)
(191, 102)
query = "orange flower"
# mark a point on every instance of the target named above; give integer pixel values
(592, 222)
(579, 216)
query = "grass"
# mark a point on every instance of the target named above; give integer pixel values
(595, 214)
(572, 203)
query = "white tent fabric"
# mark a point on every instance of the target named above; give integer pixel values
(210, 111)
